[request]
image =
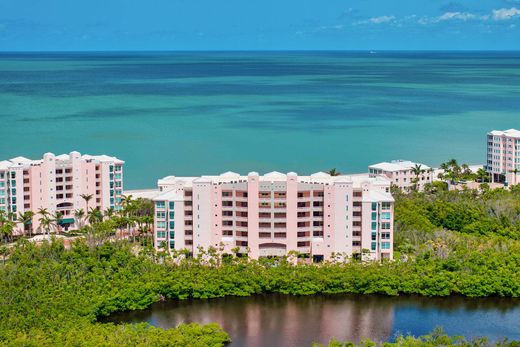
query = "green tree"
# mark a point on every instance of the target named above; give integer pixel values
(25, 219)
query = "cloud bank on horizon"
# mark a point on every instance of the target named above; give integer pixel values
(262, 25)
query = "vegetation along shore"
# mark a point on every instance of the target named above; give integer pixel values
(447, 243)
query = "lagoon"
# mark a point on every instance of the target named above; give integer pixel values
(282, 320)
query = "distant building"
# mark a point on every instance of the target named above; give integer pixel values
(317, 215)
(402, 173)
(503, 156)
(56, 183)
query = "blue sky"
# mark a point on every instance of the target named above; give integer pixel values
(259, 25)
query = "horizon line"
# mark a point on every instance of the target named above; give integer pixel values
(264, 50)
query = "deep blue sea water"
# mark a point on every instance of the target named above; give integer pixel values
(193, 113)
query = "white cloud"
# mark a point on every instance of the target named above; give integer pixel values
(506, 13)
(381, 19)
(464, 16)
(501, 14)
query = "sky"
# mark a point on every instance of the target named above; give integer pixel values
(75, 25)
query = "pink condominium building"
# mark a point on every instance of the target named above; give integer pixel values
(56, 183)
(270, 215)
(503, 156)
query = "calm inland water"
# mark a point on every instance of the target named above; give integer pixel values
(278, 320)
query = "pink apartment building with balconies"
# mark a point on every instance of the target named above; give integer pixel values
(503, 156)
(56, 183)
(318, 215)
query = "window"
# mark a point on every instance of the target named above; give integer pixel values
(385, 205)
(373, 246)
(374, 225)
(374, 206)
(317, 233)
(385, 215)
(161, 214)
(385, 236)
(161, 234)
(374, 236)
(161, 225)
(160, 204)
(171, 215)
(172, 225)
(374, 215)
(171, 203)
(385, 245)
(385, 225)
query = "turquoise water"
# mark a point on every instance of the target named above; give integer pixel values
(205, 113)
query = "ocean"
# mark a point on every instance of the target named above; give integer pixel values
(194, 113)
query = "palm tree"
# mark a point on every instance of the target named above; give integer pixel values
(78, 216)
(58, 216)
(417, 171)
(6, 229)
(47, 223)
(87, 198)
(482, 175)
(44, 213)
(334, 172)
(126, 200)
(109, 213)
(26, 219)
(94, 216)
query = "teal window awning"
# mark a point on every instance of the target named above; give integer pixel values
(66, 221)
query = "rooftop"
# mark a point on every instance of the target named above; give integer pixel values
(509, 133)
(62, 157)
(230, 177)
(397, 165)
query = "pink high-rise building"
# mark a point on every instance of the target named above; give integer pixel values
(317, 215)
(57, 183)
(503, 156)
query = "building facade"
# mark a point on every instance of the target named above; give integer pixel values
(57, 183)
(402, 173)
(318, 215)
(503, 156)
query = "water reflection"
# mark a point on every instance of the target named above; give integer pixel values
(277, 320)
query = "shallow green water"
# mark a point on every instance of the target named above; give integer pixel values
(205, 113)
